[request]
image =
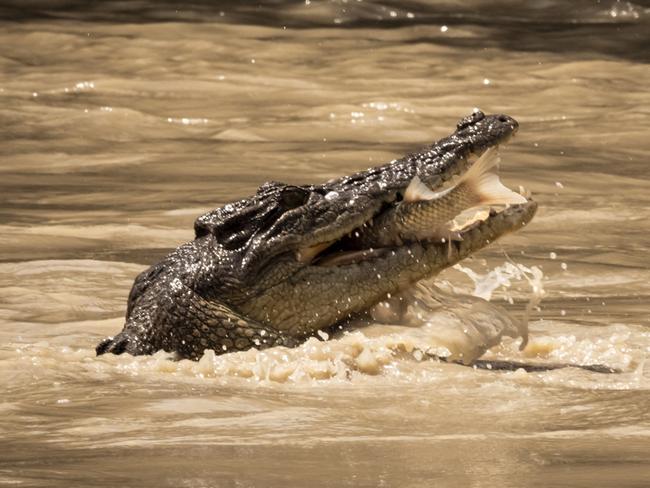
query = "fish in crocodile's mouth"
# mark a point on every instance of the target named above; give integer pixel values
(419, 214)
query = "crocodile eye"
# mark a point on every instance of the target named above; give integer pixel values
(270, 186)
(293, 197)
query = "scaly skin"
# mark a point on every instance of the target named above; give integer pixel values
(244, 282)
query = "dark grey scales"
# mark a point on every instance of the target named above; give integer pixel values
(257, 272)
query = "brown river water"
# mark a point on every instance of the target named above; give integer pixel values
(121, 122)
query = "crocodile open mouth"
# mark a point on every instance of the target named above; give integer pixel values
(514, 211)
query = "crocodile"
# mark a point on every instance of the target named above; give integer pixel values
(260, 271)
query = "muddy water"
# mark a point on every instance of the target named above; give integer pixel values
(121, 124)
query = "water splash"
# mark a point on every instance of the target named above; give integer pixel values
(502, 277)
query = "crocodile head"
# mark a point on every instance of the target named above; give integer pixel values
(259, 273)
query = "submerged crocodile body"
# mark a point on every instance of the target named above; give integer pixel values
(274, 269)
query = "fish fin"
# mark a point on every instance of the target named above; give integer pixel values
(350, 257)
(307, 254)
(418, 191)
(485, 185)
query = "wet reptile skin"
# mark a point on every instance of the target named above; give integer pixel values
(239, 283)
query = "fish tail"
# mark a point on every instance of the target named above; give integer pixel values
(484, 185)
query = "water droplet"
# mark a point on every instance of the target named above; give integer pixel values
(323, 335)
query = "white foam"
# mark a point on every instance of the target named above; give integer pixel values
(456, 322)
